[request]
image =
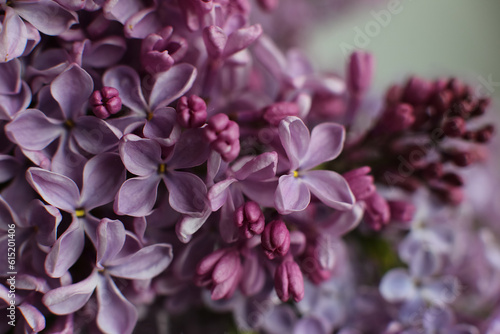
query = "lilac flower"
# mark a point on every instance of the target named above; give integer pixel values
(15, 94)
(115, 258)
(104, 172)
(161, 50)
(143, 157)
(158, 120)
(306, 151)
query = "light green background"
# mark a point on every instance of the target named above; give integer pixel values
(429, 37)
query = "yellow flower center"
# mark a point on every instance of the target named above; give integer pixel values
(295, 173)
(162, 168)
(80, 213)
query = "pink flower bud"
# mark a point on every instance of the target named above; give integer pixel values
(161, 50)
(288, 281)
(377, 212)
(360, 182)
(454, 127)
(276, 239)
(249, 219)
(223, 136)
(191, 112)
(417, 91)
(105, 102)
(360, 72)
(401, 211)
(274, 113)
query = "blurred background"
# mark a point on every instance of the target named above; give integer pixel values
(427, 37)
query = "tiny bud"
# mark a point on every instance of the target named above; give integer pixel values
(462, 159)
(105, 102)
(275, 239)
(274, 113)
(442, 101)
(453, 179)
(398, 118)
(360, 72)
(288, 281)
(360, 182)
(191, 112)
(417, 91)
(223, 136)
(433, 170)
(268, 5)
(377, 212)
(250, 219)
(159, 51)
(454, 127)
(484, 135)
(401, 211)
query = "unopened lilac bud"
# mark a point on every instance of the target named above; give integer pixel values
(454, 127)
(161, 50)
(191, 112)
(220, 271)
(484, 135)
(401, 211)
(453, 179)
(288, 281)
(462, 159)
(268, 5)
(442, 101)
(105, 102)
(360, 182)
(274, 113)
(360, 72)
(250, 219)
(398, 118)
(450, 194)
(417, 91)
(223, 136)
(433, 170)
(377, 212)
(275, 239)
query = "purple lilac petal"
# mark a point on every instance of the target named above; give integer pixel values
(227, 227)
(189, 225)
(261, 192)
(34, 318)
(57, 190)
(291, 195)
(424, 263)
(115, 314)
(442, 291)
(146, 263)
(280, 319)
(260, 168)
(105, 52)
(126, 80)
(215, 41)
(102, 177)
(9, 167)
(10, 105)
(341, 222)
(66, 250)
(254, 275)
(309, 325)
(94, 135)
(12, 43)
(141, 24)
(187, 192)
(397, 285)
(140, 156)
(327, 141)
(163, 126)
(72, 89)
(190, 150)
(47, 16)
(295, 139)
(171, 85)
(110, 240)
(46, 218)
(241, 39)
(10, 77)
(67, 162)
(331, 188)
(436, 319)
(137, 196)
(32, 130)
(70, 298)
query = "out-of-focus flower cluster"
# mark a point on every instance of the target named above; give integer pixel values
(164, 161)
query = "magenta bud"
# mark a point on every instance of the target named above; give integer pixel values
(250, 219)
(268, 5)
(276, 239)
(274, 113)
(442, 101)
(219, 271)
(417, 91)
(360, 182)
(484, 135)
(288, 281)
(105, 102)
(433, 170)
(360, 72)
(397, 118)
(159, 51)
(454, 127)
(191, 112)
(453, 179)
(462, 159)
(377, 212)
(402, 211)
(223, 136)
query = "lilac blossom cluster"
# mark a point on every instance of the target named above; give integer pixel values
(164, 159)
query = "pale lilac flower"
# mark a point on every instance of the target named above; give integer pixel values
(306, 151)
